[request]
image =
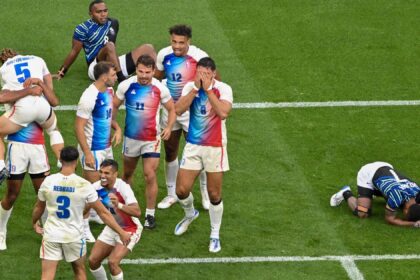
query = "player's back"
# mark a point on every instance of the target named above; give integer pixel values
(17, 69)
(66, 197)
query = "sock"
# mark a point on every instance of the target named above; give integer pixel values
(2, 164)
(188, 205)
(171, 170)
(347, 195)
(216, 213)
(120, 76)
(150, 212)
(99, 274)
(203, 185)
(4, 218)
(119, 276)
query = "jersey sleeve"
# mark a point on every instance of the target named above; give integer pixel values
(42, 192)
(159, 60)
(187, 88)
(394, 200)
(226, 93)
(128, 194)
(80, 33)
(165, 96)
(92, 195)
(122, 88)
(85, 107)
(45, 70)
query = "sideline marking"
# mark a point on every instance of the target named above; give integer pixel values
(270, 105)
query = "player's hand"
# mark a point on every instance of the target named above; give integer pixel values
(125, 238)
(38, 229)
(207, 81)
(60, 73)
(114, 199)
(90, 160)
(116, 139)
(36, 91)
(166, 133)
(197, 81)
(32, 81)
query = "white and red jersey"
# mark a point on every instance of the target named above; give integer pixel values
(16, 70)
(179, 70)
(142, 104)
(66, 198)
(206, 128)
(96, 107)
(125, 196)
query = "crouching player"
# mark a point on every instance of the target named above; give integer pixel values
(118, 197)
(381, 179)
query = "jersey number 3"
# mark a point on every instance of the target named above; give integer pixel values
(63, 205)
(22, 71)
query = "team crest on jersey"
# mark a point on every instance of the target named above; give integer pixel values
(111, 31)
(168, 63)
(133, 91)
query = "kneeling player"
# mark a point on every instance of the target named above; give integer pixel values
(119, 198)
(380, 178)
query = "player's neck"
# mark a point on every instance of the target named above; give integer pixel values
(100, 86)
(67, 171)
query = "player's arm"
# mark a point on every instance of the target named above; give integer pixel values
(71, 57)
(391, 218)
(39, 208)
(116, 103)
(221, 107)
(159, 74)
(187, 97)
(170, 107)
(9, 96)
(110, 221)
(46, 86)
(79, 127)
(131, 209)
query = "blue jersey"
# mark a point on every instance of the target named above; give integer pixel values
(396, 192)
(96, 107)
(94, 36)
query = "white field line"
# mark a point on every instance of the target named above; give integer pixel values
(268, 105)
(269, 259)
(350, 267)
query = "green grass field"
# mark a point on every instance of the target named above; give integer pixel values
(285, 162)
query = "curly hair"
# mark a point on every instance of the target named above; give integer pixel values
(7, 53)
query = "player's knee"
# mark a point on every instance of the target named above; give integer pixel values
(214, 196)
(181, 192)
(94, 263)
(114, 265)
(109, 47)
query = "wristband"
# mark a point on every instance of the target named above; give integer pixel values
(120, 205)
(63, 70)
(195, 88)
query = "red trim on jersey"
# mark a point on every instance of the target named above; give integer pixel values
(221, 158)
(13, 111)
(157, 145)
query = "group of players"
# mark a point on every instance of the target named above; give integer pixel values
(181, 78)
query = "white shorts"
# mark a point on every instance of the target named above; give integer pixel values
(366, 173)
(99, 156)
(123, 65)
(211, 159)
(24, 157)
(181, 122)
(136, 148)
(110, 237)
(29, 109)
(57, 251)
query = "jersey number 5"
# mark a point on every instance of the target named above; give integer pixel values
(22, 72)
(63, 205)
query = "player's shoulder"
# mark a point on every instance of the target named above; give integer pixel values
(222, 85)
(165, 51)
(196, 52)
(121, 184)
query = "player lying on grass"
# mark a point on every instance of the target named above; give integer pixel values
(380, 179)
